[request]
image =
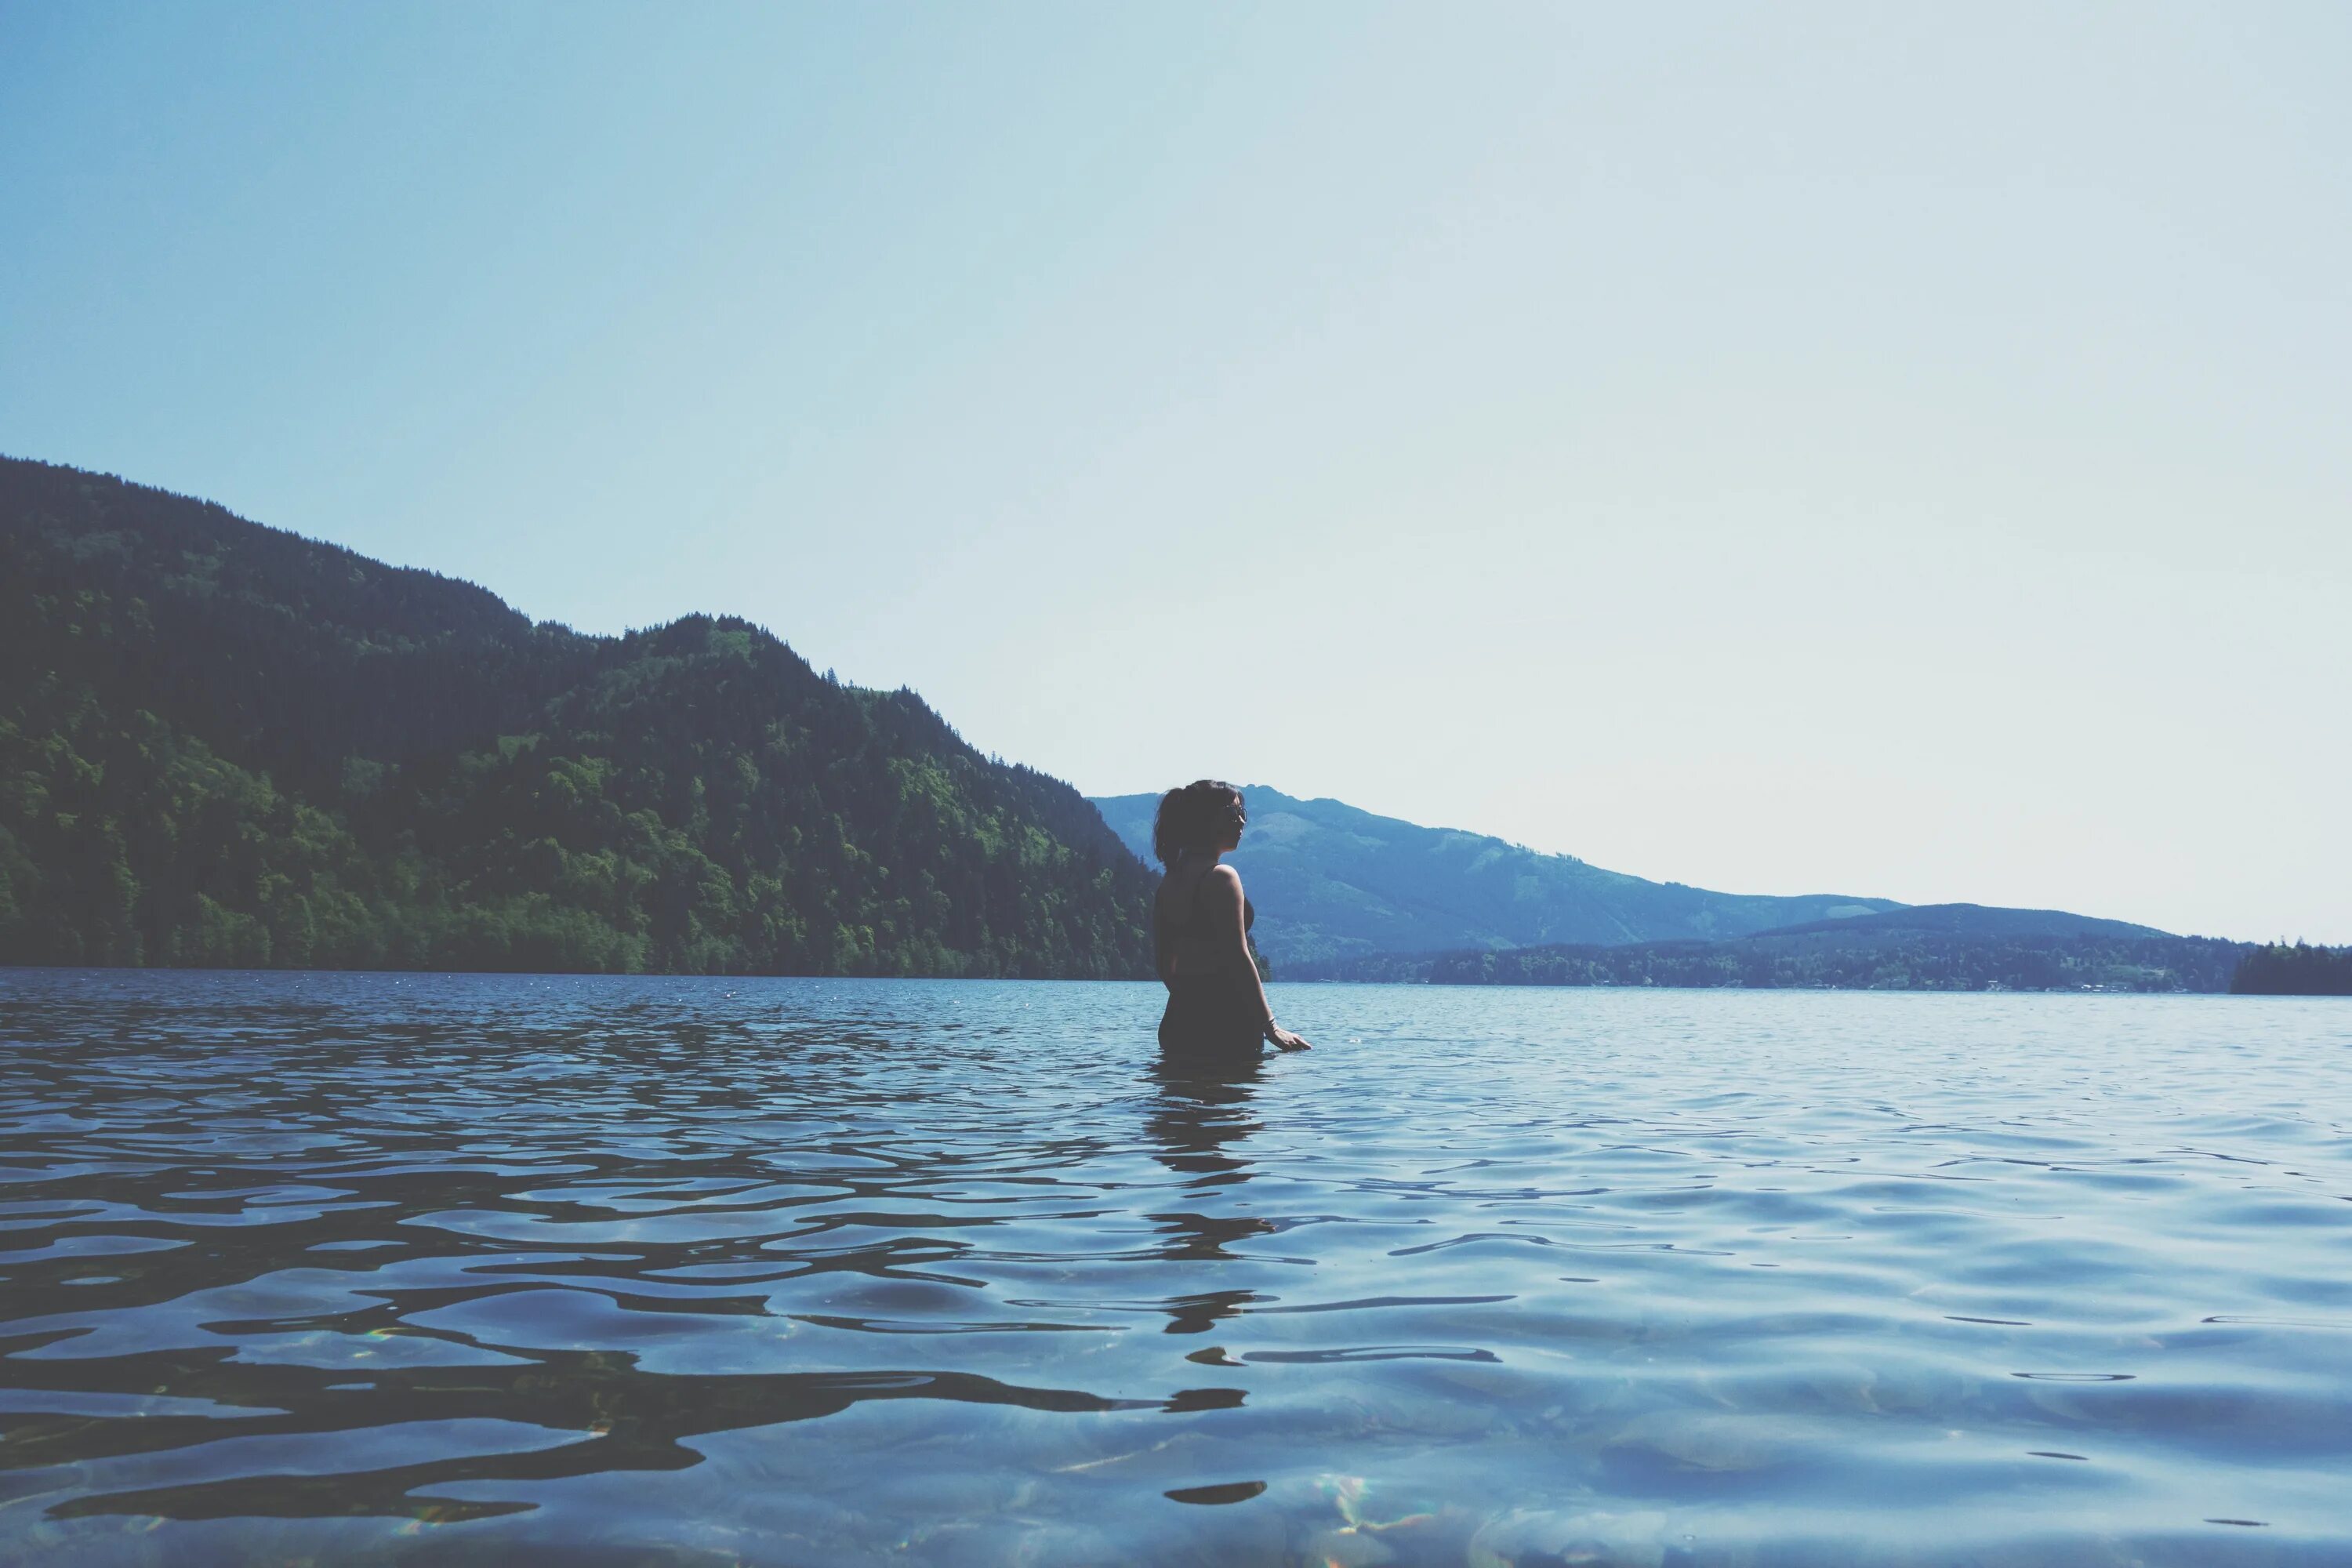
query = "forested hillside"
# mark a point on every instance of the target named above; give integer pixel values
(1332, 882)
(225, 745)
(2276, 968)
(1942, 947)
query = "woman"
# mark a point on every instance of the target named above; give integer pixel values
(1217, 1011)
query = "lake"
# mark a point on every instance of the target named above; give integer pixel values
(377, 1268)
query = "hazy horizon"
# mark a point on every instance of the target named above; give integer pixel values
(1890, 455)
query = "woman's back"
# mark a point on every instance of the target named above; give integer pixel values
(1198, 934)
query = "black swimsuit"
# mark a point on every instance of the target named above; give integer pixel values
(1214, 1016)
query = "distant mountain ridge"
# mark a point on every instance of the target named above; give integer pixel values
(1935, 947)
(225, 745)
(1980, 920)
(1333, 882)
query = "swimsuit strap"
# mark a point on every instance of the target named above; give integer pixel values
(1194, 911)
(1249, 915)
(1192, 922)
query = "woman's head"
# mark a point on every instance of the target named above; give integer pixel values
(1205, 817)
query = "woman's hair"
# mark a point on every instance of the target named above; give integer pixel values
(1194, 818)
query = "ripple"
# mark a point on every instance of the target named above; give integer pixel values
(514, 1269)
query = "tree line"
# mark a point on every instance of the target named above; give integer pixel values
(2275, 969)
(1913, 961)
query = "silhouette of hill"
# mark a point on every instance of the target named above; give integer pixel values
(1332, 882)
(221, 744)
(1940, 947)
(1968, 921)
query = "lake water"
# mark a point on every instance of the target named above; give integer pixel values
(359, 1268)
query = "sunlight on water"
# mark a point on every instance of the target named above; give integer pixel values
(366, 1269)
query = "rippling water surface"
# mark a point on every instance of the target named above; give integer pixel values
(376, 1269)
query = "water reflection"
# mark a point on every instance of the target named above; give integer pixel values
(1197, 1113)
(1199, 1120)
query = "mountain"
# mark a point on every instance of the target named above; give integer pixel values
(1331, 883)
(225, 745)
(1979, 920)
(1935, 947)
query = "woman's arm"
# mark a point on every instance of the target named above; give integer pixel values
(1226, 905)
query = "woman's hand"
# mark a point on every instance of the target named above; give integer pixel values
(1283, 1039)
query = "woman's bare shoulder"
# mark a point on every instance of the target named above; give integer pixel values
(1223, 880)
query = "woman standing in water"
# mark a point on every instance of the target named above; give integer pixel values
(1217, 1011)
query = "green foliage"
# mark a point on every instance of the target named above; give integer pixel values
(222, 744)
(2277, 969)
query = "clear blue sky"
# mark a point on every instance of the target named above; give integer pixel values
(1866, 448)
